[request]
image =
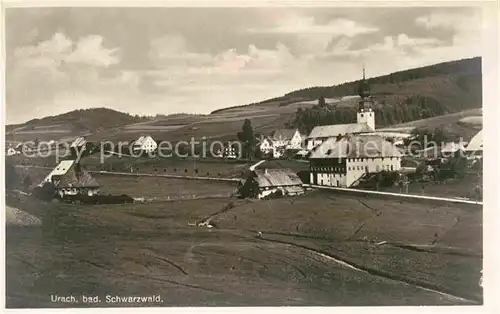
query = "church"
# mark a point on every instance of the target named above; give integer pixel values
(342, 154)
(365, 121)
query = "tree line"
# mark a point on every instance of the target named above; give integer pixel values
(412, 108)
(469, 71)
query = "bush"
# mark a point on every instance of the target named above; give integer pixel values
(46, 192)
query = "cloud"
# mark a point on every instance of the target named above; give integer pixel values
(447, 20)
(66, 74)
(297, 24)
(196, 60)
(88, 50)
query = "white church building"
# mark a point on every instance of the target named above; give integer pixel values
(365, 121)
(341, 154)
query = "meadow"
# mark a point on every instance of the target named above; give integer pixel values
(316, 249)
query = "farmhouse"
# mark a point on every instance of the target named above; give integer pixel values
(288, 138)
(70, 178)
(79, 142)
(475, 147)
(271, 147)
(264, 182)
(230, 152)
(78, 145)
(342, 161)
(144, 144)
(11, 151)
(365, 121)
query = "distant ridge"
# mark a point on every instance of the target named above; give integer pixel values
(464, 74)
(82, 119)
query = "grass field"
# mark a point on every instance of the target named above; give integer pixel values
(162, 188)
(460, 187)
(463, 124)
(152, 248)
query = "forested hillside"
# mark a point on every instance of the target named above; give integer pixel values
(399, 97)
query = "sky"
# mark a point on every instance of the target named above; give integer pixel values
(152, 61)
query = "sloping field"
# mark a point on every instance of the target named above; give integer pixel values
(451, 123)
(144, 249)
(163, 188)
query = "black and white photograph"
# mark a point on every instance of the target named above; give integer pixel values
(230, 156)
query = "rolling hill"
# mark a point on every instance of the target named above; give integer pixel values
(77, 122)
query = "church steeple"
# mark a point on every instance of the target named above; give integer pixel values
(364, 87)
(365, 111)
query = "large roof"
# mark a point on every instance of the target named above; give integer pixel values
(323, 131)
(355, 146)
(71, 174)
(59, 170)
(283, 134)
(276, 177)
(476, 143)
(142, 139)
(77, 177)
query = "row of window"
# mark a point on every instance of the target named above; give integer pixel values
(367, 158)
(382, 167)
(328, 169)
(351, 168)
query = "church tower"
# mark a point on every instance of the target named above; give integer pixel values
(365, 110)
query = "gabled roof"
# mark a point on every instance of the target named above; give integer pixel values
(323, 131)
(59, 170)
(79, 142)
(70, 174)
(355, 146)
(283, 134)
(142, 139)
(276, 177)
(267, 139)
(476, 143)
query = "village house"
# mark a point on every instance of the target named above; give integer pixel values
(11, 151)
(70, 178)
(230, 152)
(79, 145)
(144, 144)
(365, 121)
(270, 148)
(287, 138)
(340, 162)
(451, 149)
(474, 148)
(264, 182)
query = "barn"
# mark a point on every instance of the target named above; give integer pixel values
(265, 182)
(70, 178)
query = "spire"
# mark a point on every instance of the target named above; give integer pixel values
(364, 88)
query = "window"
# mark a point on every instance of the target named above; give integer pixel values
(392, 167)
(361, 115)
